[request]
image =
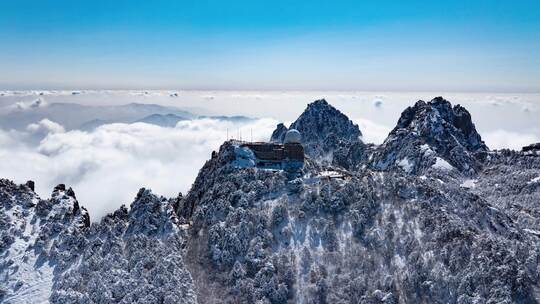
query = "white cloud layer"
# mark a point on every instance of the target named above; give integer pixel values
(502, 139)
(371, 131)
(22, 105)
(106, 167)
(44, 127)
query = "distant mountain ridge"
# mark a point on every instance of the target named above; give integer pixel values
(76, 116)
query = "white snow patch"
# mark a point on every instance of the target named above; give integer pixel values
(399, 219)
(426, 149)
(399, 262)
(442, 164)
(331, 174)
(406, 165)
(531, 231)
(469, 184)
(35, 282)
(534, 180)
(417, 231)
(269, 205)
(345, 236)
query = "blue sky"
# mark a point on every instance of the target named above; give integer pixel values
(276, 45)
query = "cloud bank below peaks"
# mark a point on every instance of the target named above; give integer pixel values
(107, 166)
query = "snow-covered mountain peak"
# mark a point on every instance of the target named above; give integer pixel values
(432, 136)
(323, 129)
(437, 120)
(151, 215)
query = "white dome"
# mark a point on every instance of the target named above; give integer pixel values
(292, 137)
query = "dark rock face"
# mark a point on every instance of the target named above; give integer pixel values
(30, 184)
(279, 133)
(432, 134)
(532, 148)
(323, 129)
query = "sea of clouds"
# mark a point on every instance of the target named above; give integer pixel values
(108, 165)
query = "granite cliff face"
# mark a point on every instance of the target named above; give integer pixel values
(431, 215)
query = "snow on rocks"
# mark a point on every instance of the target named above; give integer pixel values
(406, 165)
(535, 180)
(469, 184)
(325, 130)
(31, 234)
(441, 164)
(431, 131)
(244, 157)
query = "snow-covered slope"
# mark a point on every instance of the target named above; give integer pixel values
(32, 235)
(356, 237)
(131, 256)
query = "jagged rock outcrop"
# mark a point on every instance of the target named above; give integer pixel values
(34, 234)
(432, 135)
(49, 252)
(279, 133)
(133, 256)
(532, 148)
(324, 129)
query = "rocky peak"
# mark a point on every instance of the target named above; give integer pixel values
(32, 231)
(213, 169)
(433, 135)
(323, 128)
(437, 118)
(151, 214)
(532, 148)
(141, 248)
(279, 133)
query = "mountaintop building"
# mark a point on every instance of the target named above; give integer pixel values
(288, 156)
